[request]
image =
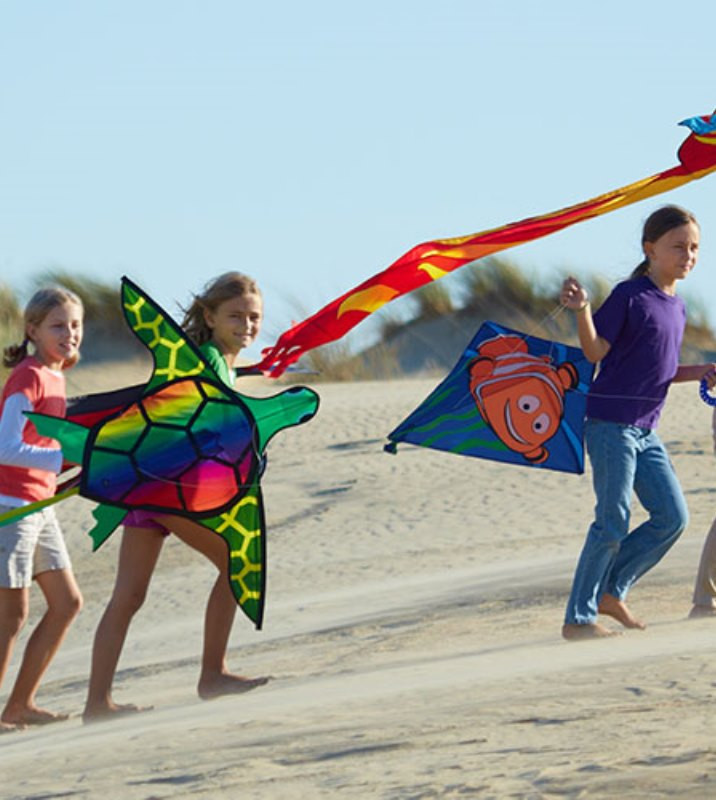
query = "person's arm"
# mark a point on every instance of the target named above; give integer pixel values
(574, 296)
(696, 372)
(14, 451)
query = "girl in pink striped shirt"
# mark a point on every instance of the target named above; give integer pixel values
(33, 548)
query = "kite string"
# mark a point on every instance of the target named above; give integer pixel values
(537, 326)
(552, 315)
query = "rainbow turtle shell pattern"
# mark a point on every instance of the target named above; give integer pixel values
(185, 447)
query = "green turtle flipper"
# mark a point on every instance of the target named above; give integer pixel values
(242, 528)
(174, 355)
(71, 436)
(291, 407)
(107, 518)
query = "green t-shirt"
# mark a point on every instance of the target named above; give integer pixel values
(216, 360)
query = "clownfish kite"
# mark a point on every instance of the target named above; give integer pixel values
(519, 394)
(510, 397)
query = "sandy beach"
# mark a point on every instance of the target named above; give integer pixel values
(412, 629)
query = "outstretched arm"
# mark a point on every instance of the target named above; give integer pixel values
(14, 451)
(696, 372)
(574, 296)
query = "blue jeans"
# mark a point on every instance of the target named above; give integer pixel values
(624, 458)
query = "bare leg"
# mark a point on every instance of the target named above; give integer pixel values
(14, 605)
(617, 609)
(138, 554)
(215, 678)
(64, 602)
(705, 585)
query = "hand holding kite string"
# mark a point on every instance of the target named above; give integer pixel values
(705, 385)
(431, 260)
(709, 399)
(573, 295)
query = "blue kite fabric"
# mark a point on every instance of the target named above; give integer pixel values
(510, 397)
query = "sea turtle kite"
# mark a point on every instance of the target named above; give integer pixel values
(182, 444)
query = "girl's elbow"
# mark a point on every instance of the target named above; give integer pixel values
(594, 356)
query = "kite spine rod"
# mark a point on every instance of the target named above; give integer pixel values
(22, 511)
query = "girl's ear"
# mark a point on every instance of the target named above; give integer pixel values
(208, 317)
(648, 248)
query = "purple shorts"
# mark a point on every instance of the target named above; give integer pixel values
(144, 519)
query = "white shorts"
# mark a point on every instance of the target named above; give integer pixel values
(29, 546)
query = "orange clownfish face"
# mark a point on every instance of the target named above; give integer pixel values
(519, 395)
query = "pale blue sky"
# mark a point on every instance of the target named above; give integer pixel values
(310, 144)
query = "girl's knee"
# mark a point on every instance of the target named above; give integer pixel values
(609, 535)
(14, 619)
(67, 607)
(680, 523)
(128, 602)
(75, 604)
(677, 522)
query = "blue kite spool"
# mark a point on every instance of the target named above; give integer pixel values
(709, 399)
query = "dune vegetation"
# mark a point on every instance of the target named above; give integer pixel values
(423, 332)
(438, 320)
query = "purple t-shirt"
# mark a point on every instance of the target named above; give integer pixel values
(644, 327)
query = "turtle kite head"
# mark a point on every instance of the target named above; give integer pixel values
(272, 414)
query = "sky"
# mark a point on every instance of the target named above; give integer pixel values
(310, 144)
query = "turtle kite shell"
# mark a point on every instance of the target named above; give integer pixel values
(188, 446)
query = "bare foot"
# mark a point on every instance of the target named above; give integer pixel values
(593, 630)
(617, 609)
(5, 727)
(702, 611)
(229, 684)
(32, 716)
(112, 711)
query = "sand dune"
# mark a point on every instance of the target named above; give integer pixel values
(412, 629)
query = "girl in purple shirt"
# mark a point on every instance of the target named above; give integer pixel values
(636, 337)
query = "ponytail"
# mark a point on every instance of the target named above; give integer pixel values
(640, 270)
(15, 353)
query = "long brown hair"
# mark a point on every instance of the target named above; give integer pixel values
(39, 306)
(657, 224)
(225, 287)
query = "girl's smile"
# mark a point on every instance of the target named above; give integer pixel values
(58, 337)
(235, 323)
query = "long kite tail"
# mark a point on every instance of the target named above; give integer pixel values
(15, 514)
(431, 260)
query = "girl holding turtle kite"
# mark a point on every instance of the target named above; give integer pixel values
(222, 321)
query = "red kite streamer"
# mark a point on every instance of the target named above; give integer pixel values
(431, 260)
